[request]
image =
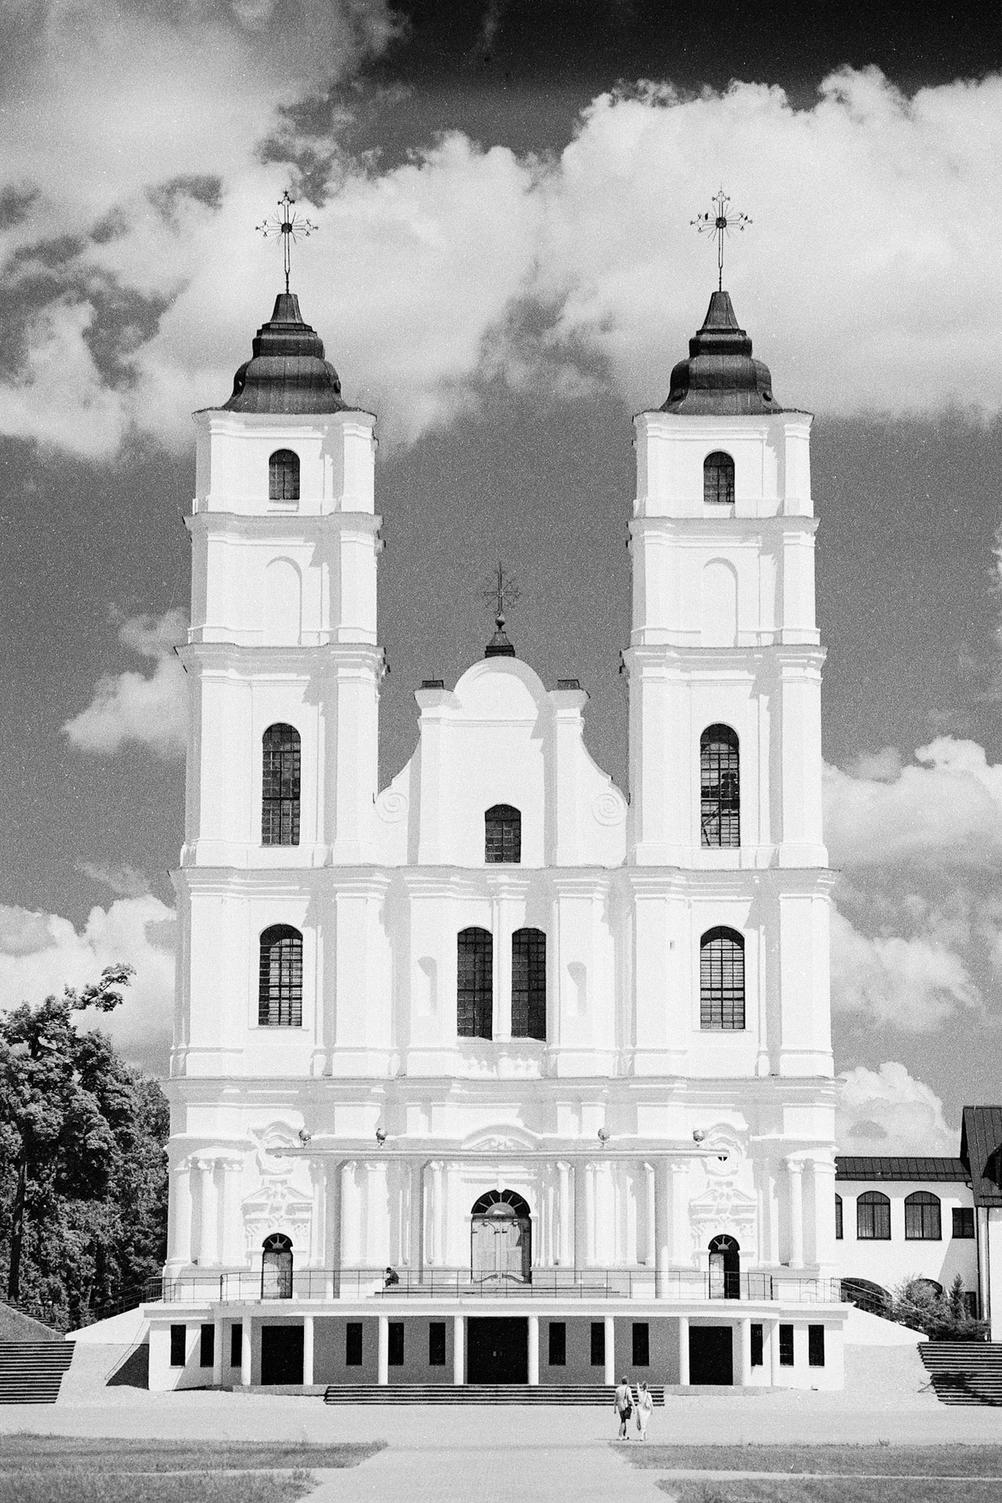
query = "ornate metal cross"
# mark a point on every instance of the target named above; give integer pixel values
(290, 226)
(501, 594)
(718, 222)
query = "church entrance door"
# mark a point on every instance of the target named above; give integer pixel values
(711, 1354)
(281, 1354)
(501, 1239)
(497, 1350)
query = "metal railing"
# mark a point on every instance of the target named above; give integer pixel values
(671, 1284)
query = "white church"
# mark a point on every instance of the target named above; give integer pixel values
(501, 1074)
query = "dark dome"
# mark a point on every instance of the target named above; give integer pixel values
(287, 372)
(720, 378)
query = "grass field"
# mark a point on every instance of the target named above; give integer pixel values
(827, 1474)
(56, 1468)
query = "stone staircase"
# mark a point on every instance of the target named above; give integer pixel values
(964, 1372)
(31, 1371)
(477, 1393)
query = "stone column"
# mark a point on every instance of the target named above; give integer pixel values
(179, 1239)
(744, 1358)
(662, 1229)
(435, 1216)
(383, 1351)
(565, 1216)
(349, 1217)
(534, 1351)
(773, 1332)
(459, 1350)
(610, 1349)
(208, 1251)
(795, 1173)
(232, 1241)
(589, 1216)
(683, 1349)
(219, 1330)
(307, 1348)
(246, 1350)
(318, 1220)
(650, 1210)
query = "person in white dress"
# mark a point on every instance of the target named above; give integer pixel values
(644, 1405)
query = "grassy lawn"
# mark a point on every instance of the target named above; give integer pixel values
(912, 1461)
(830, 1490)
(57, 1468)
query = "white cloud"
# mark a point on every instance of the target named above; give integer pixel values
(913, 984)
(868, 242)
(947, 806)
(124, 881)
(132, 707)
(41, 953)
(887, 1111)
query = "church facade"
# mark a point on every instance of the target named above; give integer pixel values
(497, 1074)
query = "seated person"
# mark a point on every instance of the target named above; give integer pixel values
(392, 1277)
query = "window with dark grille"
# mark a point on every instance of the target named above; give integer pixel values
(558, 1343)
(236, 1344)
(598, 1343)
(922, 1217)
(436, 1343)
(353, 1343)
(757, 1345)
(718, 479)
(719, 787)
(873, 1217)
(528, 984)
(963, 1221)
(838, 1218)
(283, 476)
(786, 1346)
(280, 978)
(641, 1344)
(475, 984)
(280, 778)
(721, 979)
(395, 1347)
(815, 1346)
(206, 1345)
(178, 1339)
(502, 834)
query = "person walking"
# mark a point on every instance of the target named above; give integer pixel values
(645, 1403)
(623, 1405)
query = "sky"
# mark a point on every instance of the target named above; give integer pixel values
(505, 271)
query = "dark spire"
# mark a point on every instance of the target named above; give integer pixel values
(501, 594)
(499, 646)
(287, 372)
(720, 378)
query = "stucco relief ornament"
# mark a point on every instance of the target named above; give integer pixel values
(724, 1208)
(391, 806)
(609, 808)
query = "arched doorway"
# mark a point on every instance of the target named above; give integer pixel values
(501, 1238)
(276, 1267)
(725, 1268)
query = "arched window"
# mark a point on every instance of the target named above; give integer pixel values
(283, 476)
(280, 762)
(501, 1239)
(721, 979)
(528, 984)
(280, 978)
(475, 984)
(922, 1217)
(718, 479)
(276, 1267)
(838, 1218)
(719, 787)
(873, 1217)
(725, 1268)
(502, 834)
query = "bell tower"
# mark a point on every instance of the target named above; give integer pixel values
(725, 731)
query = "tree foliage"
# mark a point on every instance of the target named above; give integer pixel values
(943, 1315)
(83, 1185)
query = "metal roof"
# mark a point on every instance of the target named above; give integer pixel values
(899, 1167)
(720, 378)
(287, 372)
(981, 1149)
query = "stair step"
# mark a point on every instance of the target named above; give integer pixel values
(31, 1371)
(475, 1393)
(964, 1372)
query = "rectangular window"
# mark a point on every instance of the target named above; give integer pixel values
(757, 1345)
(353, 1344)
(873, 1218)
(786, 1346)
(598, 1343)
(395, 1353)
(206, 1346)
(436, 1343)
(178, 1339)
(838, 1218)
(558, 1343)
(963, 1221)
(236, 1344)
(815, 1346)
(641, 1344)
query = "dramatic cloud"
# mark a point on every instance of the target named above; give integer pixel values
(133, 282)
(886, 1111)
(41, 953)
(132, 707)
(908, 984)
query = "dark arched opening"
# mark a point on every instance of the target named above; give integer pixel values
(718, 479)
(725, 1268)
(283, 476)
(501, 1238)
(276, 1267)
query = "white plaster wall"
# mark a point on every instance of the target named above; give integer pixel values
(891, 1263)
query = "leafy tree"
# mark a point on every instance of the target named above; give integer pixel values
(942, 1316)
(82, 1177)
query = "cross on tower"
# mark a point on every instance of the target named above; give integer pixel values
(501, 594)
(290, 226)
(718, 222)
